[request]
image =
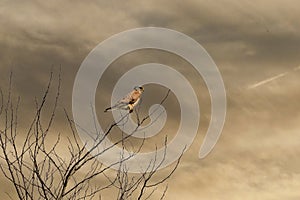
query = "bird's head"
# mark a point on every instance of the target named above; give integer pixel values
(139, 88)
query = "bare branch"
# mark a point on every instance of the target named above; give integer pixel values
(37, 170)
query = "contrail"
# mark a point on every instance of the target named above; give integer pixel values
(296, 68)
(271, 79)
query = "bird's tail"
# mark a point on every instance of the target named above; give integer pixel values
(120, 106)
(107, 109)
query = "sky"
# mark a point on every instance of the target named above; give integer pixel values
(255, 44)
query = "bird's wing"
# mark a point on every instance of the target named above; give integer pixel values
(131, 98)
(136, 102)
(123, 102)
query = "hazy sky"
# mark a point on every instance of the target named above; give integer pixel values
(250, 41)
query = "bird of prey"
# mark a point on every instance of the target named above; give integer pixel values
(129, 101)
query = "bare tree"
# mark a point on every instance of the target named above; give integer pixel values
(37, 170)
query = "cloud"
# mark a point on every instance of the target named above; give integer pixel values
(250, 41)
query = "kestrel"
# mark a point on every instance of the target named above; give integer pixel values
(129, 101)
